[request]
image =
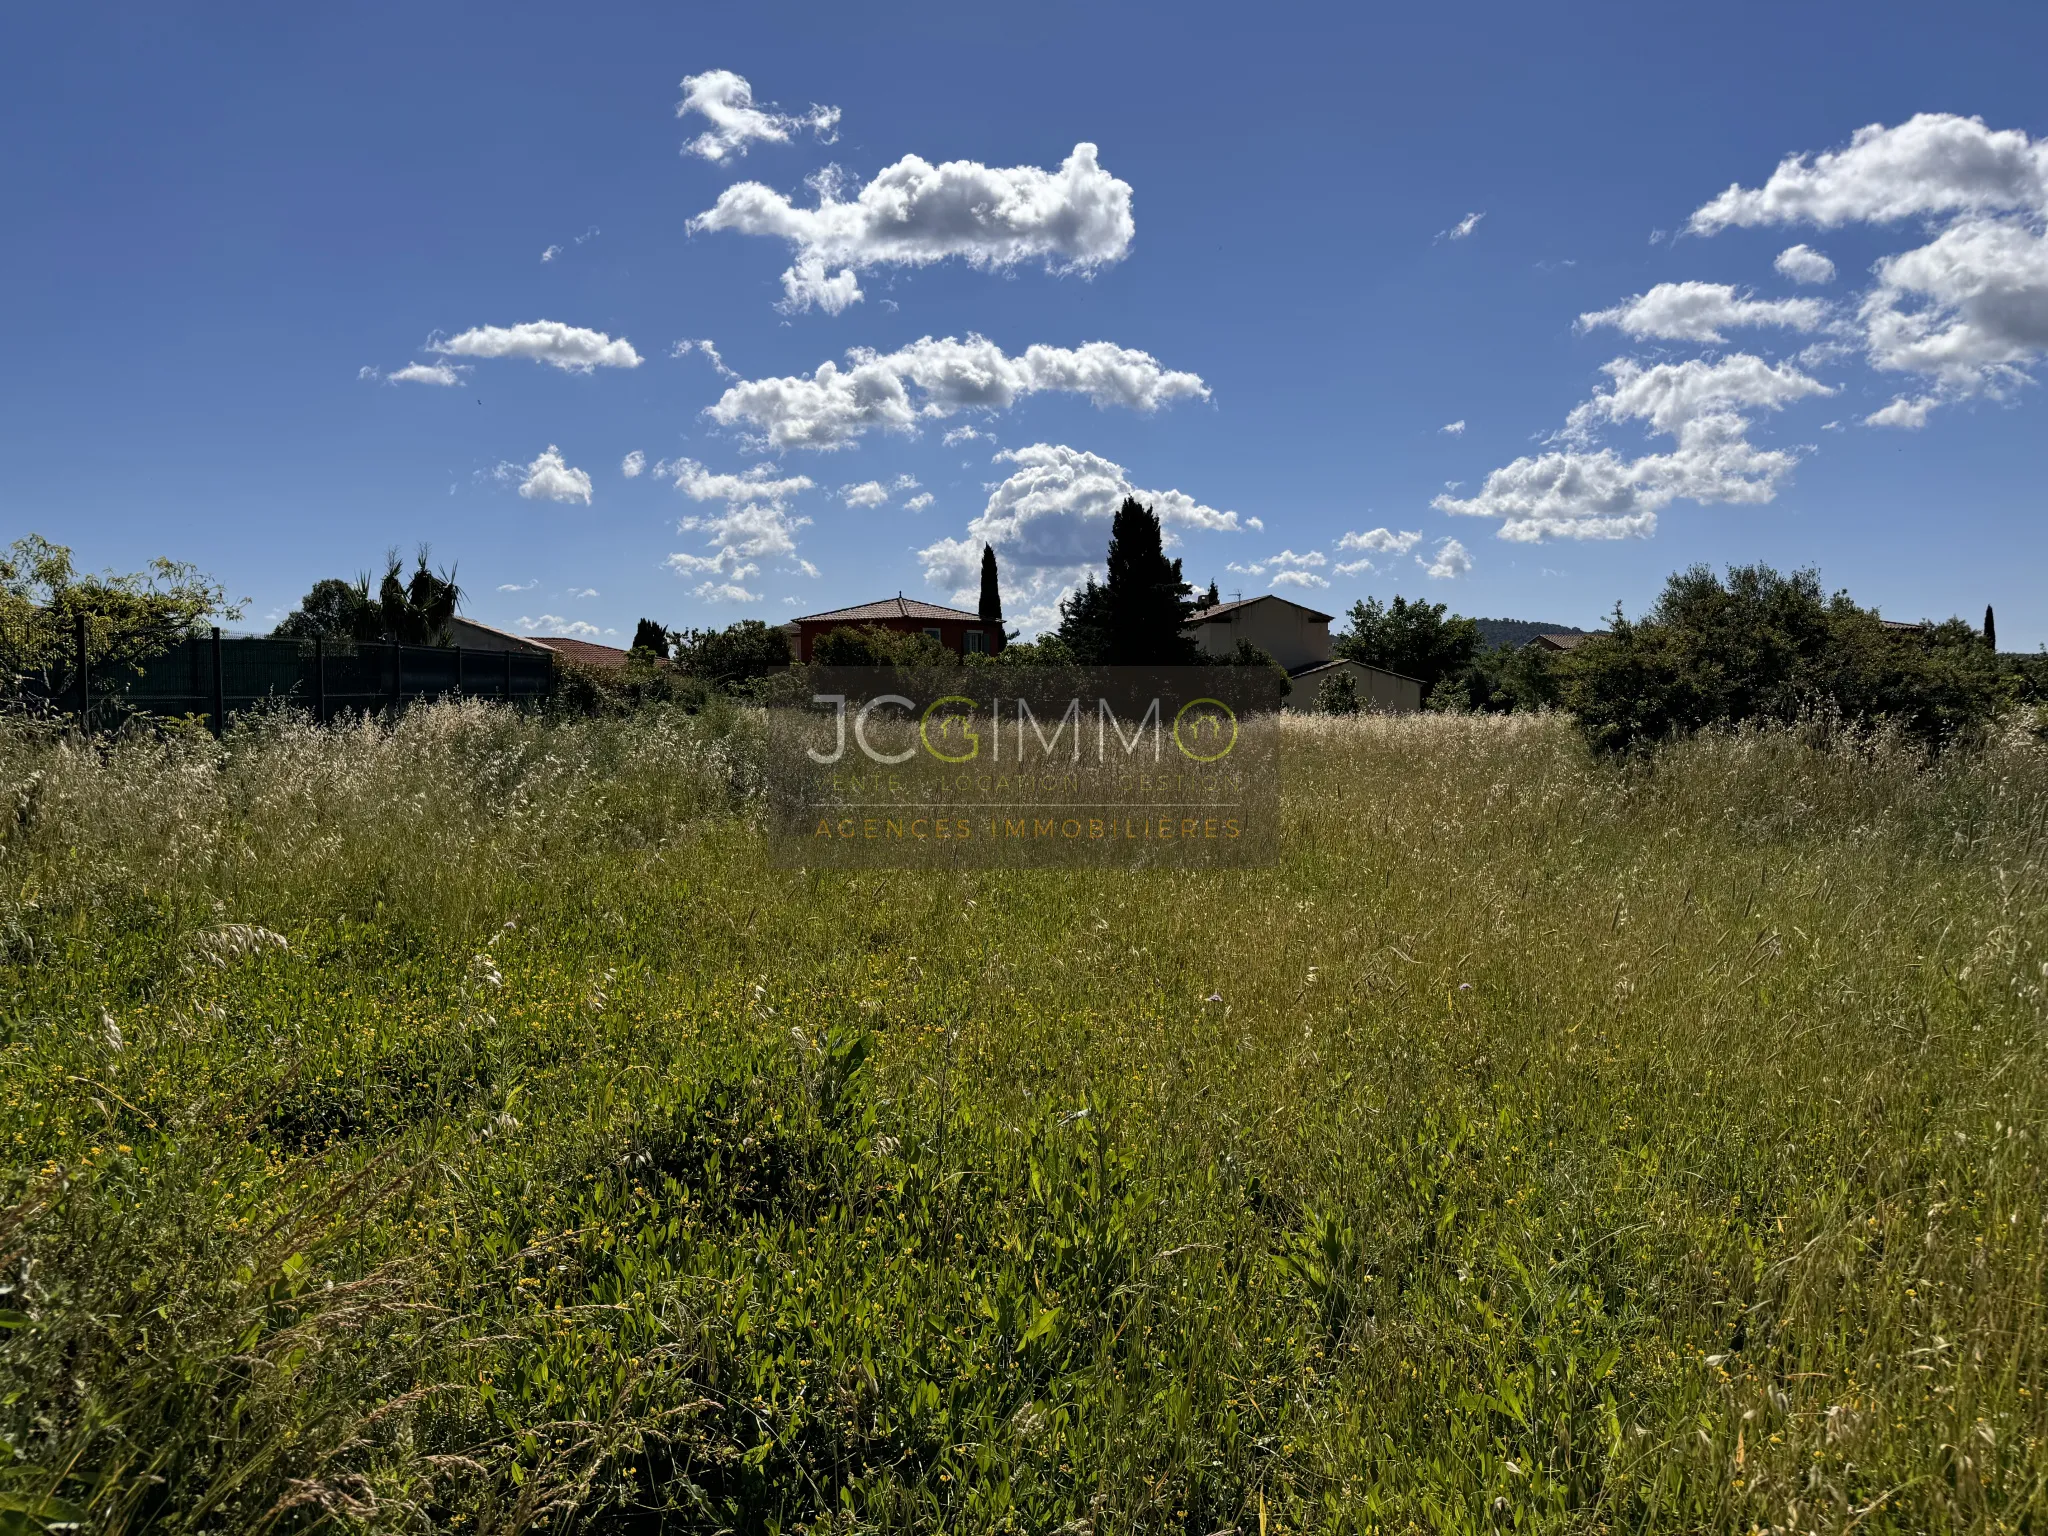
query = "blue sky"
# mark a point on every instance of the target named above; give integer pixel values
(227, 227)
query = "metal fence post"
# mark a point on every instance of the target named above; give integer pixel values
(84, 678)
(320, 679)
(220, 698)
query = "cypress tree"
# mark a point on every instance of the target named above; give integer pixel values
(1990, 629)
(991, 594)
(1212, 597)
(1149, 604)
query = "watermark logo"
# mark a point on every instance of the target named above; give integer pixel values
(994, 767)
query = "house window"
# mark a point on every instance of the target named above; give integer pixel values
(933, 631)
(975, 641)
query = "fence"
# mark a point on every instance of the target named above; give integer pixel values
(216, 675)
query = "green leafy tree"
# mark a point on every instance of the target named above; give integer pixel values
(733, 657)
(1248, 654)
(1761, 646)
(1419, 640)
(334, 610)
(1137, 615)
(870, 645)
(128, 618)
(1338, 695)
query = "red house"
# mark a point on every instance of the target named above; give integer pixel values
(954, 628)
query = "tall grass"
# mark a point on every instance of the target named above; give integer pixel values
(458, 1123)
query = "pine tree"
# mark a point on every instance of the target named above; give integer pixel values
(651, 637)
(1990, 629)
(1212, 597)
(1149, 604)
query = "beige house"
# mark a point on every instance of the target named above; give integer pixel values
(1298, 637)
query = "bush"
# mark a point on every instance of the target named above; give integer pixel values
(1337, 696)
(1761, 646)
(870, 645)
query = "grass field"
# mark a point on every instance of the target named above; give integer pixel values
(461, 1126)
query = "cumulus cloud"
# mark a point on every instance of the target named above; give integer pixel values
(1352, 567)
(964, 435)
(1462, 228)
(1453, 428)
(442, 374)
(1701, 311)
(1909, 414)
(1286, 569)
(1580, 492)
(1049, 523)
(1803, 264)
(914, 213)
(632, 465)
(869, 493)
(568, 347)
(555, 626)
(918, 502)
(1451, 561)
(548, 478)
(755, 525)
(932, 379)
(726, 101)
(1933, 163)
(1381, 541)
(1968, 309)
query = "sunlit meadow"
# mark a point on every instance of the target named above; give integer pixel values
(458, 1124)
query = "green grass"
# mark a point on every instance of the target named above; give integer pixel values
(461, 1125)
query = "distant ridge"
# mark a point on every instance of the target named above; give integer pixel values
(1494, 633)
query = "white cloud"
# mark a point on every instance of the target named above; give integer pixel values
(710, 351)
(756, 524)
(582, 592)
(1286, 569)
(808, 569)
(443, 374)
(548, 478)
(1049, 523)
(913, 213)
(1933, 163)
(1451, 561)
(567, 347)
(1353, 567)
(1462, 228)
(632, 465)
(1803, 264)
(1582, 493)
(553, 624)
(726, 100)
(1911, 415)
(517, 586)
(869, 493)
(724, 592)
(1381, 541)
(1453, 428)
(550, 253)
(918, 502)
(833, 406)
(1700, 311)
(1969, 309)
(963, 435)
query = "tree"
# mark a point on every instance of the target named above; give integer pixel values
(1990, 630)
(731, 657)
(334, 610)
(128, 618)
(1247, 654)
(650, 637)
(1137, 616)
(414, 611)
(991, 592)
(870, 645)
(1338, 695)
(1418, 640)
(1212, 598)
(1761, 646)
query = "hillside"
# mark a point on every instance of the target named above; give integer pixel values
(1494, 633)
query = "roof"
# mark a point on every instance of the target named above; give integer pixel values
(1900, 624)
(584, 653)
(1224, 610)
(1566, 641)
(897, 607)
(462, 621)
(1347, 661)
